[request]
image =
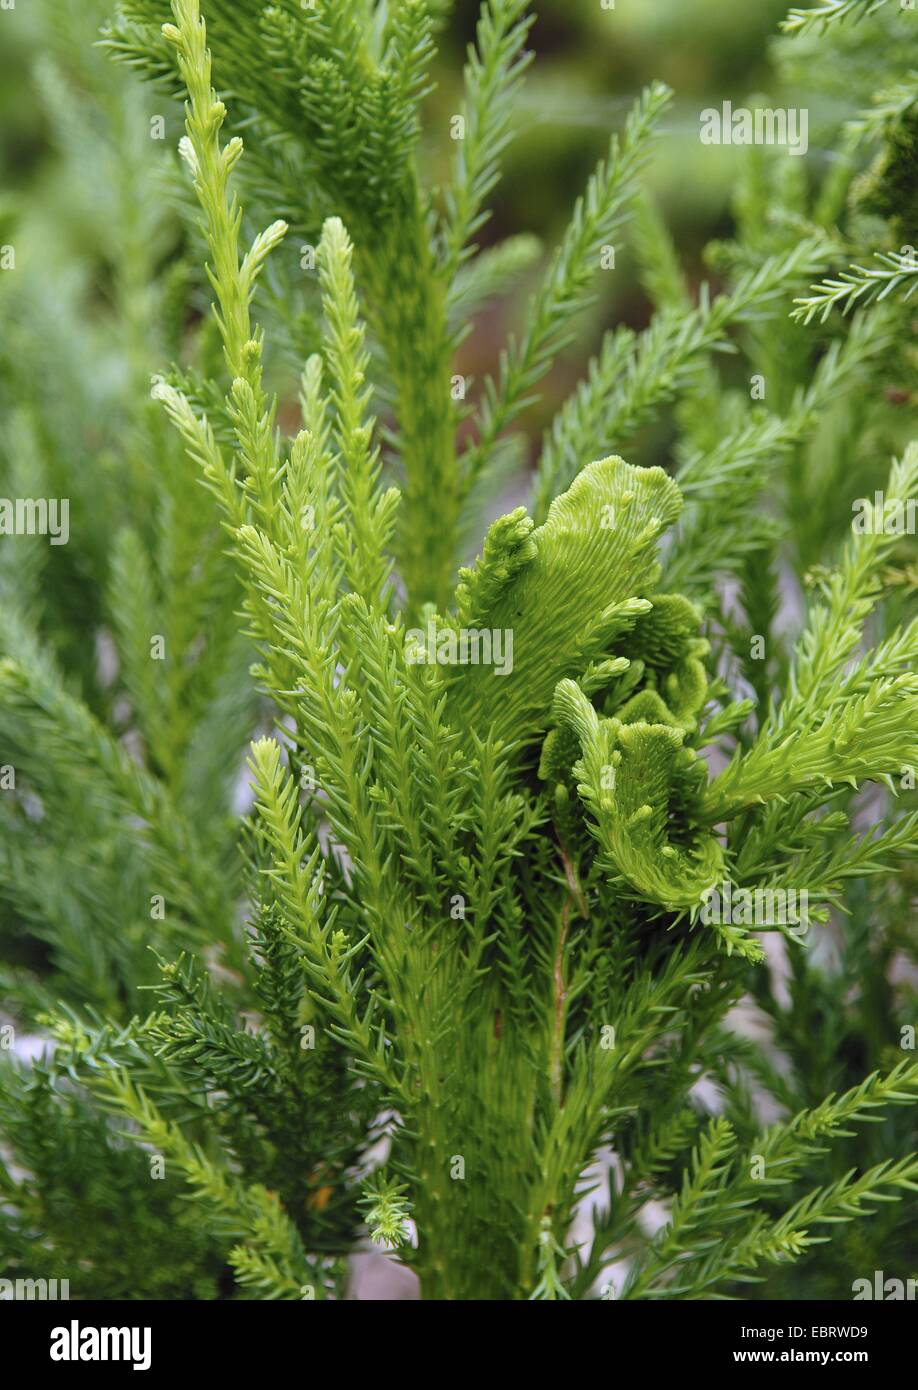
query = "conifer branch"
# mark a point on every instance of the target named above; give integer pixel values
(894, 271)
(597, 216)
(633, 376)
(468, 913)
(492, 78)
(820, 16)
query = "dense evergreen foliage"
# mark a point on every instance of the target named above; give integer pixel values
(417, 861)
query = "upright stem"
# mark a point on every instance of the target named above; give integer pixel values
(559, 999)
(408, 293)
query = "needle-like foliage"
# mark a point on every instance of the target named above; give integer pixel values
(571, 879)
